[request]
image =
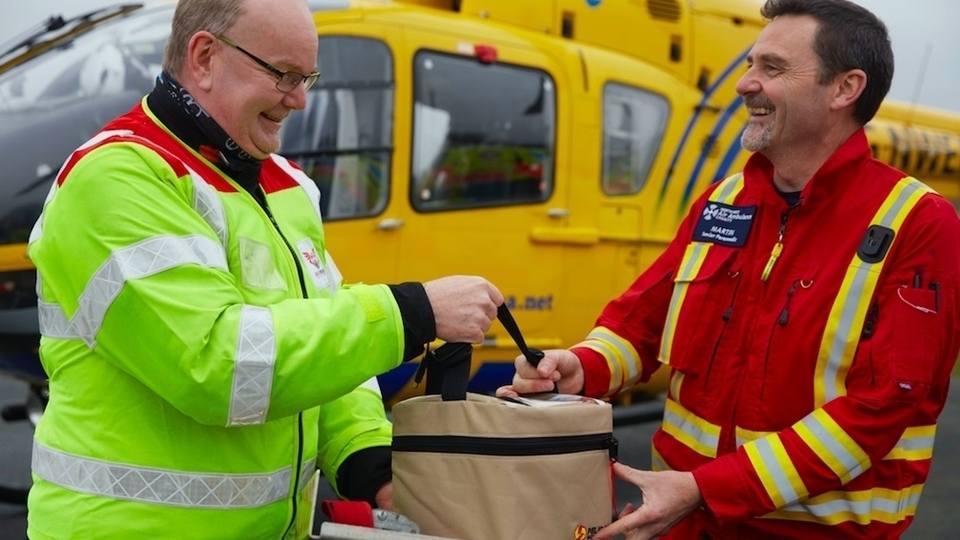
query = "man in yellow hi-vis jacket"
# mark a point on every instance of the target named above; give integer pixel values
(204, 359)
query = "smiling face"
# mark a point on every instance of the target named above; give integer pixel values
(788, 107)
(241, 95)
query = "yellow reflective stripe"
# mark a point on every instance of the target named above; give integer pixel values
(657, 462)
(676, 380)
(696, 433)
(916, 444)
(745, 435)
(779, 476)
(879, 505)
(690, 265)
(693, 258)
(847, 316)
(622, 358)
(728, 190)
(832, 445)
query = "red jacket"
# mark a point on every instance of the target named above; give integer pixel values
(786, 436)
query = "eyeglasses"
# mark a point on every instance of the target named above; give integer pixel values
(286, 80)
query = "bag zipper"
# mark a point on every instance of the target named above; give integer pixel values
(507, 446)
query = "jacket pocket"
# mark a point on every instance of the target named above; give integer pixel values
(910, 340)
(701, 307)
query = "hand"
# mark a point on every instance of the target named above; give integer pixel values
(384, 496)
(668, 497)
(463, 307)
(558, 366)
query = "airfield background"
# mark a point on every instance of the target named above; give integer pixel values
(926, 43)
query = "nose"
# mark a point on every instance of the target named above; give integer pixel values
(748, 83)
(296, 98)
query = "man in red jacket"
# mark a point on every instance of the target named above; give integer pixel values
(807, 310)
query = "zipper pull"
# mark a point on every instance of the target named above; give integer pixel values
(774, 255)
(777, 248)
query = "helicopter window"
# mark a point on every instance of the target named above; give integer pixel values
(121, 58)
(483, 134)
(342, 139)
(634, 121)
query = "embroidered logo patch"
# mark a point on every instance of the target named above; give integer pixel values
(724, 224)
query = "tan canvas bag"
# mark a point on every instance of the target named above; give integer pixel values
(478, 467)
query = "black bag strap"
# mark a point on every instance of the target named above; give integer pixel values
(447, 367)
(448, 371)
(506, 319)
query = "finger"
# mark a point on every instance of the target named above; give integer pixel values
(625, 472)
(507, 391)
(626, 523)
(525, 369)
(627, 510)
(495, 294)
(531, 386)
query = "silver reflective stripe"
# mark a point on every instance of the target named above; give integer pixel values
(858, 293)
(851, 466)
(776, 472)
(309, 468)
(159, 486)
(860, 510)
(207, 203)
(253, 368)
(694, 432)
(143, 259)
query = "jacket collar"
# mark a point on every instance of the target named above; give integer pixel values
(836, 176)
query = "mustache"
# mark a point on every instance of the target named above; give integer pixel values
(754, 103)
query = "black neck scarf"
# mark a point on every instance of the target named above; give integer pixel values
(182, 115)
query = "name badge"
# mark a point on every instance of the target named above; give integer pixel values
(724, 224)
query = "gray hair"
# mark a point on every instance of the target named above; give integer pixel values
(192, 16)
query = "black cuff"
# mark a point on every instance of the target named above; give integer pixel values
(419, 325)
(362, 474)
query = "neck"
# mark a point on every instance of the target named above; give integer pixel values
(794, 169)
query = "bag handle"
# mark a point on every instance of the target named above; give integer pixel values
(506, 319)
(448, 367)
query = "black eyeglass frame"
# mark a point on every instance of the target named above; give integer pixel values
(288, 76)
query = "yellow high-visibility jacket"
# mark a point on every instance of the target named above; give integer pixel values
(203, 359)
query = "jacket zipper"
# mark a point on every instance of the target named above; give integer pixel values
(727, 315)
(507, 446)
(303, 292)
(781, 321)
(778, 247)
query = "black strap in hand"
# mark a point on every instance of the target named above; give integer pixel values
(448, 367)
(506, 319)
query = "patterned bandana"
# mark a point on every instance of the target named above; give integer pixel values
(176, 108)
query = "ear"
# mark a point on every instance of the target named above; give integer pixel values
(847, 89)
(199, 61)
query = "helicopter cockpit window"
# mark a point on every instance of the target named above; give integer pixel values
(121, 58)
(342, 139)
(483, 134)
(634, 121)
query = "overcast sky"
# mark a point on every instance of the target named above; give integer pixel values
(916, 27)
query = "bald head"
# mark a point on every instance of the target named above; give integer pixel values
(220, 16)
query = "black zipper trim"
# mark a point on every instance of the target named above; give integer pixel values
(507, 446)
(303, 291)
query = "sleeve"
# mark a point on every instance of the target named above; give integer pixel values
(894, 391)
(353, 438)
(143, 280)
(623, 348)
